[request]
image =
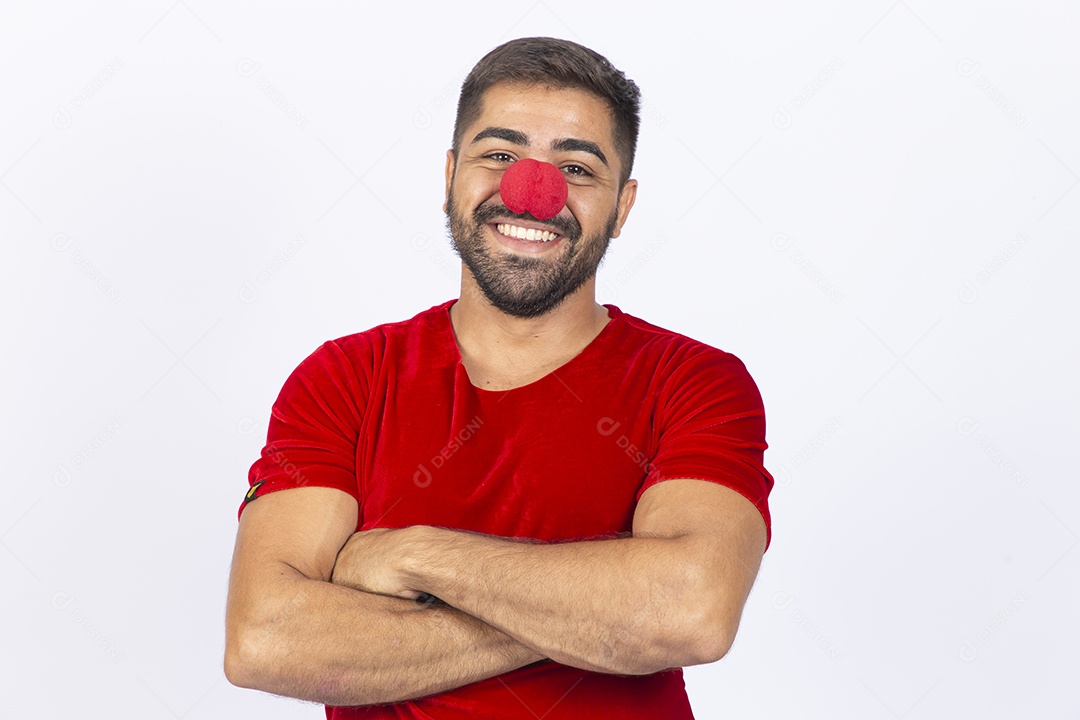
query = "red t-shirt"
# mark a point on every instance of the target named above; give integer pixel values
(390, 416)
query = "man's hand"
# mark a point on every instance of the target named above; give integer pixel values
(374, 561)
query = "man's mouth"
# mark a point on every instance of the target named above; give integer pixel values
(527, 234)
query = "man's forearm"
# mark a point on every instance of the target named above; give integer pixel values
(340, 646)
(626, 605)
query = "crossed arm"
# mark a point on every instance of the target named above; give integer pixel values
(669, 596)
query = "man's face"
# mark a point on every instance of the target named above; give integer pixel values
(569, 128)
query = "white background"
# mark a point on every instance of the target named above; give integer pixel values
(873, 205)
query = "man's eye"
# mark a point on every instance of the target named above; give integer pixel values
(501, 157)
(576, 170)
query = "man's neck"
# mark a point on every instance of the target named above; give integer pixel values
(487, 336)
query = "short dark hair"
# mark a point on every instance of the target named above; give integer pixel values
(559, 64)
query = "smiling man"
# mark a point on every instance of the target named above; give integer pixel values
(569, 128)
(518, 503)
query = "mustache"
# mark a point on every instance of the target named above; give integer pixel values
(566, 226)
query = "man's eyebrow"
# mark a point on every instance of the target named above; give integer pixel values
(512, 136)
(563, 145)
(574, 144)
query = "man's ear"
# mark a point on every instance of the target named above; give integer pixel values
(449, 176)
(626, 201)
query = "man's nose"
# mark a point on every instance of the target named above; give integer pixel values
(536, 187)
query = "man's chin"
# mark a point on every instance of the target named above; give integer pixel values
(513, 299)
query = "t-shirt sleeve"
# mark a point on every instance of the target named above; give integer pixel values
(314, 428)
(710, 425)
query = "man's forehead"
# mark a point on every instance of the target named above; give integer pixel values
(580, 112)
(508, 97)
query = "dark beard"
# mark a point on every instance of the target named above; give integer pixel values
(520, 285)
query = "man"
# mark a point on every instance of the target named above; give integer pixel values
(519, 503)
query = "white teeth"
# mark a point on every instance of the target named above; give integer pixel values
(526, 233)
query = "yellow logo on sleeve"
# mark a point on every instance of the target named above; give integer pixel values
(251, 494)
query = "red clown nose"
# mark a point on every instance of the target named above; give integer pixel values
(533, 186)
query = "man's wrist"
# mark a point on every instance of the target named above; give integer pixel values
(426, 548)
(436, 558)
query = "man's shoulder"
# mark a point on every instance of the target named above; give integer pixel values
(692, 370)
(360, 353)
(673, 348)
(378, 336)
